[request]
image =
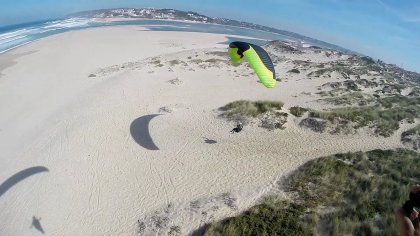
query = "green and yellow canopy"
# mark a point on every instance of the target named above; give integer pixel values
(258, 59)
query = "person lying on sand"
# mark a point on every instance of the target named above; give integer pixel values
(237, 129)
(407, 216)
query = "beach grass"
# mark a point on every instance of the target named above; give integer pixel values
(296, 71)
(175, 62)
(411, 138)
(350, 99)
(249, 109)
(395, 101)
(384, 118)
(343, 194)
(297, 111)
(332, 93)
(269, 218)
(197, 61)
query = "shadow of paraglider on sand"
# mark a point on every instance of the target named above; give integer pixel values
(139, 129)
(18, 177)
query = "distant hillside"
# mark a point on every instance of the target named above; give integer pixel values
(172, 14)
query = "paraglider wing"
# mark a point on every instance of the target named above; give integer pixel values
(234, 54)
(257, 57)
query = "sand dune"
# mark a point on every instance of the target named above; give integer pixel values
(112, 168)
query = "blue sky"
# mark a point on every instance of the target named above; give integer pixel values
(384, 29)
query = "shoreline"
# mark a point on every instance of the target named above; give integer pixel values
(107, 20)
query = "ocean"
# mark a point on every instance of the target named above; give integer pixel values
(18, 35)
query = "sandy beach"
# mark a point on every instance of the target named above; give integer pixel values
(123, 126)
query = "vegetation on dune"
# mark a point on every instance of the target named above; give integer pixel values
(351, 85)
(176, 62)
(157, 62)
(350, 99)
(362, 188)
(215, 60)
(315, 47)
(197, 61)
(384, 118)
(368, 60)
(297, 111)
(266, 112)
(411, 138)
(294, 71)
(400, 101)
(333, 92)
(356, 66)
(246, 108)
(351, 65)
(414, 92)
(361, 117)
(342, 69)
(412, 131)
(366, 83)
(343, 194)
(319, 72)
(269, 218)
(283, 47)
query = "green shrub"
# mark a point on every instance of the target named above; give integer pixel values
(368, 60)
(350, 99)
(279, 218)
(247, 109)
(297, 111)
(360, 189)
(156, 61)
(174, 62)
(384, 118)
(411, 138)
(294, 71)
(364, 188)
(197, 61)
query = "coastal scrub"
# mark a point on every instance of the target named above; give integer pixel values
(343, 194)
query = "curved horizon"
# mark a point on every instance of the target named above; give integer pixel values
(87, 22)
(382, 29)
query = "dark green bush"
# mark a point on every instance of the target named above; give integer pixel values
(279, 218)
(384, 118)
(294, 71)
(297, 111)
(243, 108)
(361, 190)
